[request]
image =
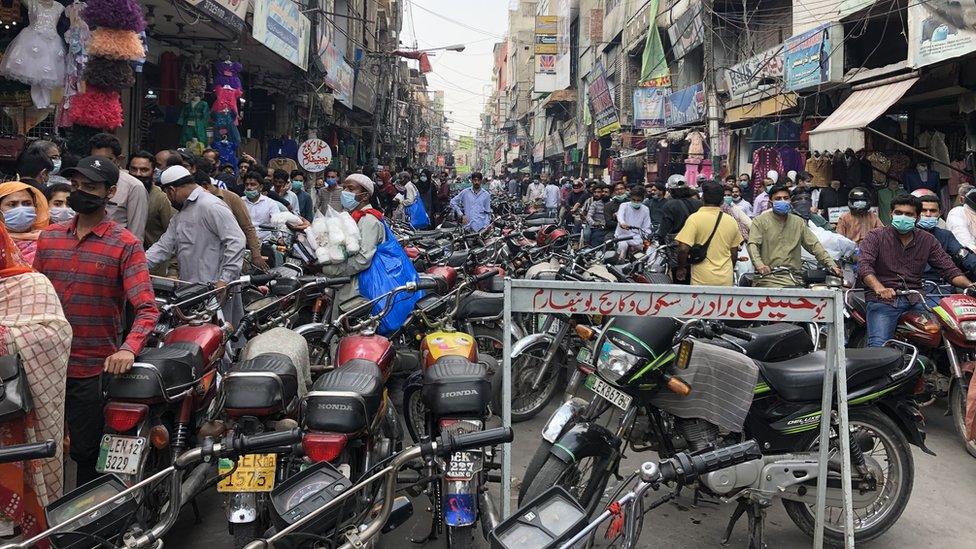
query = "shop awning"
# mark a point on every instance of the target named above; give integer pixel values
(843, 129)
(761, 109)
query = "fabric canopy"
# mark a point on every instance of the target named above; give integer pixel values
(841, 130)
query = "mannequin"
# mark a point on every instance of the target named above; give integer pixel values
(922, 178)
(193, 119)
(36, 54)
(195, 78)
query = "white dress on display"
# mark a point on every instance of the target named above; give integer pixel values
(36, 55)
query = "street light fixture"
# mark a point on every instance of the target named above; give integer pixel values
(454, 47)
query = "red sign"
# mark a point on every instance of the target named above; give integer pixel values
(422, 144)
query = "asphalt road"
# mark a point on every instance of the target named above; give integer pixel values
(939, 513)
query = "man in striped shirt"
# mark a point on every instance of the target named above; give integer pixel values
(95, 264)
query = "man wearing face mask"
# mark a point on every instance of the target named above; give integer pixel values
(203, 235)
(739, 201)
(330, 194)
(775, 240)
(675, 211)
(654, 201)
(473, 205)
(860, 220)
(142, 166)
(130, 204)
(761, 203)
(95, 265)
(929, 222)
(304, 199)
(633, 221)
(40, 161)
(894, 258)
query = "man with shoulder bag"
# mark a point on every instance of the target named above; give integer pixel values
(709, 241)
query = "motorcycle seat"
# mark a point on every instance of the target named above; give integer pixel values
(458, 258)
(775, 342)
(479, 304)
(801, 379)
(427, 301)
(540, 222)
(157, 370)
(272, 363)
(454, 386)
(356, 376)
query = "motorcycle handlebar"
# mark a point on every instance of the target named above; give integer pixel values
(449, 443)
(427, 284)
(22, 452)
(244, 444)
(487, 275)
(735, 332)
(685, 468)
(261, 279)
(325, 281)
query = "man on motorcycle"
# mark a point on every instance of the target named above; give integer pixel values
(595, 211)
(776, 237)
(894, 257)
(929, 220)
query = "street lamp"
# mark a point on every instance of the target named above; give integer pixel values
(455, 47)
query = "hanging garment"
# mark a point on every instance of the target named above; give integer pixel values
(36, 54)
(195, 79)
(926, 179)
(226, 100)
(194, 119)
(821, 168)
(880, 164)
(284, 148)
(286, 164)
(692, 168)
(792, 158)
(956, 178)
(76, 57)
(765, 160)
(169, 79)
(227, 73)
(696, 147)
(227, 152)
(224, 123)
(787, 132)
(933, 142)
(847, 169)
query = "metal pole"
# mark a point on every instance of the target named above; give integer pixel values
(916, 151)
(837, 336)
(711, 94)
(507, 399)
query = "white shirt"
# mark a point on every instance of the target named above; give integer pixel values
(261, 212)
(292, 200)
(496, 186)
(744, 205)
(552, 196)
(957, 222)
(535, 192)
(635, 218)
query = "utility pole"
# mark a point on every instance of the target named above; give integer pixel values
(711, 94)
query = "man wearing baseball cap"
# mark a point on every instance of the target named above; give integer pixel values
(95, 265)
(203, 235)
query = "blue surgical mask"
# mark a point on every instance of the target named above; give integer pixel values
(728, 200)
(60, 214)
(57, 166)
(156, 173)
(782, 207)
(928, 223)
(20, 219)
(252, 195)
(424, 179)
(331, 181)
(348, 200)
(297, 185)
(903, 223)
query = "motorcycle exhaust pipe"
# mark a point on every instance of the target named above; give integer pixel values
(490, 514)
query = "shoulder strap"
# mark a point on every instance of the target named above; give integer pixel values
(715, 228)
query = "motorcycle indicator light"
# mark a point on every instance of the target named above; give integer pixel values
(584, 332)
(684, 354)
(678, 386)
(324, 446)
(159, 437)
(124, 416)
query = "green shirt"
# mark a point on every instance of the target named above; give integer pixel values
(775, 242)
(885, 196)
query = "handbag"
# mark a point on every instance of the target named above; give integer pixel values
(15, 395)
(698, 252)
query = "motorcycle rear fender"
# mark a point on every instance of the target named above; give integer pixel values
(460, 505)
(311, 327)
(911, 422)
(567, 413)
(584, 440)
(529, 341)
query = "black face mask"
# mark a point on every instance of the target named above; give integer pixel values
(605, 198)
(85, 203)
(147, 182)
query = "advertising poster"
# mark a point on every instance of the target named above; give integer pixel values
(649, 108)
(765, 68)
(936, 33)
(807, 58)
(279, 25)
(546, 30)
(685, 106)
(604, 112)
(229, 13)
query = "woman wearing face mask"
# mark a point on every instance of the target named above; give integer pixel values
(25, 213)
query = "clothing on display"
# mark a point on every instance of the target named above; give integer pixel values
(283, 148)
(922, 178)
(76, 57)
(224, 121)
(764, 160)
(820, 166)
(282, 163)
(227, 151)
(847, 169)
(226, 100)
(194, 146)
(880, 165)
(934, 143)
(792, 158)
(194, 119)
(252, 147)
(195, 78)
(900, 163)
(227, 73)
(36, 54)
(957, 178)
(169, 78)
(696, 145)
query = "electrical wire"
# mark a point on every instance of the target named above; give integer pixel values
(455, 21)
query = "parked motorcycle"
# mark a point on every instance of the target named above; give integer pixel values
(775, 403)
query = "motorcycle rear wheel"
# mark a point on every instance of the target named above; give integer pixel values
(899, 475)
(957, 405)
(526, 404)
(459, 536)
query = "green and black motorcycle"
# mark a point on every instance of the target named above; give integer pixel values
(671, 386)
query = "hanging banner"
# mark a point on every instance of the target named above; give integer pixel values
(649, 108)
(687, 31)
(545, 53)
(280, 25)
(685, 106)
(229, 13)
(654, 66)
(314, 155)
(937, 33)
(764, 69)
(604, 112)
(814, 57)
(564, 68)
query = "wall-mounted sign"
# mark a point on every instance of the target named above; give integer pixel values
(936, 33)
(604, 112)
(814, 57)
(314, 155)
(564, 68)
(649, 108)
(546, 32)
(687, 30)
(685, 106)
(229, 13)
(765, 68)
(280, 25)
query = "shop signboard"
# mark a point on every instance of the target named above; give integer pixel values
(814, 57)
(570, 133)
(604, 112)
(546, 32)
(539, 151)
(687, 30)
(564, 19)
(685, 106)
(229, 13)
(314, 155)
(935, 33)
(649, 108)
(423, 143)
(365, 91)
(763, 69)
(280, 25)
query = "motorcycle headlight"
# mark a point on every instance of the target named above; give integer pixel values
(968, 329)
(614, 362)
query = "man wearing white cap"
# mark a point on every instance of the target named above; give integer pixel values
(203, 235)
(357, 190)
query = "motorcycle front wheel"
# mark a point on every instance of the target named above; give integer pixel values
(957, 406)
(527, 403)
(584, 479)
(887, 447)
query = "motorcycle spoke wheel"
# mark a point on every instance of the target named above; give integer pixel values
(526, 402)
(957, 407)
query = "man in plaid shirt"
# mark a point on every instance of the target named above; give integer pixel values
(95, 264)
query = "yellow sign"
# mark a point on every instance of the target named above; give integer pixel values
(766, 107)
(254, 473)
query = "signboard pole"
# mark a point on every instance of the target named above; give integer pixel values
(507, 398)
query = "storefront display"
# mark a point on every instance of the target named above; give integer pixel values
(36, 55)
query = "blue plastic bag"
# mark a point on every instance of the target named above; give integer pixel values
(417, 215)
(391, 268)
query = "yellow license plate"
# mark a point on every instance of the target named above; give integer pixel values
(254, 473)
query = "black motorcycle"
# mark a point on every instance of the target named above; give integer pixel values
(665, 386)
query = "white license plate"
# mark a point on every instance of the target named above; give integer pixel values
(120, 454)
(616, 397)
(463, 465)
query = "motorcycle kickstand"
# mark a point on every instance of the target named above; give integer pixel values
(757, 525)
(740, 509)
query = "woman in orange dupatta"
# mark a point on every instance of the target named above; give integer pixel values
(33, 326)
(26, 239)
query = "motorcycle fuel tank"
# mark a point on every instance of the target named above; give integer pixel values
(449, 274)
(955, 311)
(439, 344)
(209, 337)
(374, 348)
